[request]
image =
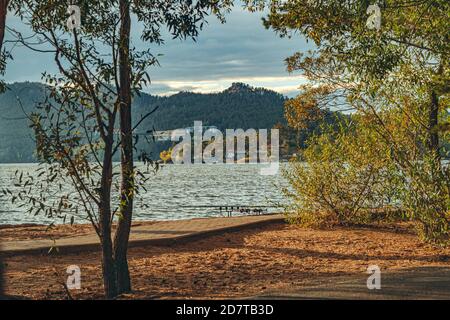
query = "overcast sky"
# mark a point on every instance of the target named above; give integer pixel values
(241, 50)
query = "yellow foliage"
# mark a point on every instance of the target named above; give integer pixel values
(166, 155)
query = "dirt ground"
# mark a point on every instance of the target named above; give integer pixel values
(239, 264)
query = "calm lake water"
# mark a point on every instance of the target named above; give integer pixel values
(175, 192)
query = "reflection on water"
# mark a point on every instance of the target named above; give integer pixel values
(175, 192)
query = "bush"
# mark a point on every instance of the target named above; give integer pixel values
(342, 177)
(352, 176)
(427, 200)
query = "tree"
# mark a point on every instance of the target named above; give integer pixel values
(166, 155)
(3, 12)
(99, 72)
(3, 55)
(400, 71)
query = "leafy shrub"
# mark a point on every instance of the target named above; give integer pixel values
(342, 177)
(427, 200)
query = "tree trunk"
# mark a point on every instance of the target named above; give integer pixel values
(3, 11)
(127, 166)
(108, 266)
(1, 278)
(433, 123)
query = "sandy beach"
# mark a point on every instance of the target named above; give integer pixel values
(246, 263)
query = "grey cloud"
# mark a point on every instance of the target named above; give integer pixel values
(241, 48)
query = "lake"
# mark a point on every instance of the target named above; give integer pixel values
(175, 192)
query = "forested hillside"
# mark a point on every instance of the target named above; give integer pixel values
(16, 138)
(239, 106)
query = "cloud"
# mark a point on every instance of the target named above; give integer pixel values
(241, 50)
(287, 85)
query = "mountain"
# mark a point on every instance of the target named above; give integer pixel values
(240, 106)
(16, 138)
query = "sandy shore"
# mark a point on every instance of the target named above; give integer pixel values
(239, 264)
